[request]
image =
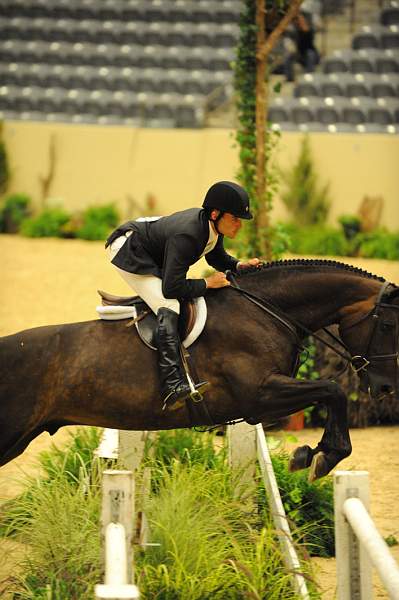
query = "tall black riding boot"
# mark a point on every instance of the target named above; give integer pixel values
(174, 383)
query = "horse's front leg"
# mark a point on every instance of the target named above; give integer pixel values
(282, 395)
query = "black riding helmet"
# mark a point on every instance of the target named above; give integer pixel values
(229, 197)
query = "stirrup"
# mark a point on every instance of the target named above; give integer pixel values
(181, 398)
(196, 395)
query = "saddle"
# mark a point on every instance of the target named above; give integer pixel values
(191, 321)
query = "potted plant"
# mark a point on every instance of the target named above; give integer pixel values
(350, 224)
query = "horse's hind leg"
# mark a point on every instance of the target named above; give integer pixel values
(284, 395)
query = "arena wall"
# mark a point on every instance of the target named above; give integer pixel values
(96, 165)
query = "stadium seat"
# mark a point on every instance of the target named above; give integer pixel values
(391, 105)
(304, 110)
(330, 110)
(332, 87)
(305, 89)
(387, 62)
(390, 15)
(362, 62)
(384, 87)
(367, 38)
(358, 87)
(280, 110)
(338, 63)
(390, 38)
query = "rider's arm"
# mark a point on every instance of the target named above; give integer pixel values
(219, 259)
(180, 253)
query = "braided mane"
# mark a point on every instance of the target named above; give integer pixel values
(303, 263)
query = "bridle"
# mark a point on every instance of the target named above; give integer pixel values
(359, 362)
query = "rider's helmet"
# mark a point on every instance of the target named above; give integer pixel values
(229, 197)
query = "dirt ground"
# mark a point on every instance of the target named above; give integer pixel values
(48, 281)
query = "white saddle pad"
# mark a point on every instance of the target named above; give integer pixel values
(116, 313)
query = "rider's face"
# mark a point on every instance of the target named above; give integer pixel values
(229, 225)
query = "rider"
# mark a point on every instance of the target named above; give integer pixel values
(154, 254)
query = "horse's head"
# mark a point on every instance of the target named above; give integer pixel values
(373, 340)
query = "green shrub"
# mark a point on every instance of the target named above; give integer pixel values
(350, 224)
(48, 223)
(318, 240)
(305, 198)
(57, 518)
(15, 209)
(209, 547)
(378, 244)
(4, 166)
(97, 222)
(309, 506)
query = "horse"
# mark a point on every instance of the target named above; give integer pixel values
(99, 373)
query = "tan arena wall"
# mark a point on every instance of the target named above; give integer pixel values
(101, 164)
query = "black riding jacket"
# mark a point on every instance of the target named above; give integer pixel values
(167, 247)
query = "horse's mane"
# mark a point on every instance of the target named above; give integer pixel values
(303, 263)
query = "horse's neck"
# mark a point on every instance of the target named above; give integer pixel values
(318, 299)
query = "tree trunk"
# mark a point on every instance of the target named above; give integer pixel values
(262, 217)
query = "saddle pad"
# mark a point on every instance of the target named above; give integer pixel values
(115, 312)
(129, 312)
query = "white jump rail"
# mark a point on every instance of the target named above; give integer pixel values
(278, 513)
(246, 443)
(117, 528)
(358, 542)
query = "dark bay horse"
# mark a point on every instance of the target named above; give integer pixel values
(100, 373)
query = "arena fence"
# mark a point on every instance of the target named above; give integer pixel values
(117, 526)
(246, 444)
(359, 545)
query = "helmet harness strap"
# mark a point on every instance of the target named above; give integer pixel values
(215, 221)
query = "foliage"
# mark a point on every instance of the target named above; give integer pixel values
(64, 465)
(329, 241)
(308, 370)
(391, 541)
(305, 198)
(318, 240)
(97, 221)
(188, 447)
(309, 506)
(14, 210)
(251, 238)
(4, 166)
(48, 223)
(378, 244)
(350, 224)
(307, 362)
(208, 547)
(57, 518)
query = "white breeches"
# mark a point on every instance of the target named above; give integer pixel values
(148, 287)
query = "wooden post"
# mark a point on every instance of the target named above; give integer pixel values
(242, 454)
(118, 507)
(353, 565)
(131, 448)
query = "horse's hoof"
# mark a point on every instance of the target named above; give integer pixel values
(301, 458)
(319, 467)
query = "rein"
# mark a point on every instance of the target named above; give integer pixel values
(292, 325)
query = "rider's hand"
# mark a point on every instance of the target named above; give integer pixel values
(252, 262)
(216, 280)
